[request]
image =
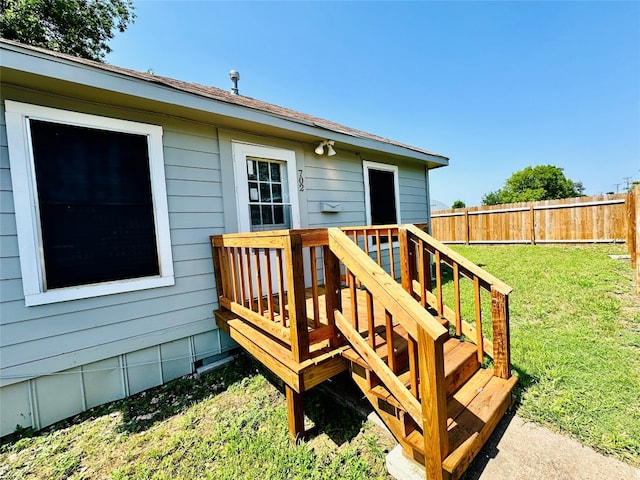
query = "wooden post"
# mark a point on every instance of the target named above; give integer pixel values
(217, 269)
(295, 414)
(434, 403)
(636, 229)
(404, 259)
(631, 225)
(333, 298)
(466, 226)
(296, 298)
(532, 216)
(501, 347)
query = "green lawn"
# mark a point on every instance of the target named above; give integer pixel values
(575, 340)
(228, 425)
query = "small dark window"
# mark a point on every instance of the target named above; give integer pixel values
(382, 197)
(96, 210)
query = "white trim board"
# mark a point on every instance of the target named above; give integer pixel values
(26, 209)
(368, 165)
(241, 151)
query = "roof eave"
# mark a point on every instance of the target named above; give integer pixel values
(40, 63)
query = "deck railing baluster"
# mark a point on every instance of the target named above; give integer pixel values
(243, 297)
(314, 287)
(392, 263)
(247, 257)
(267, 258)
(456, 297)
(281, 292)
(256, 255)
(391, 354)
(439, 299)
(354, 299)
(478, 304)
(370, 319)
(422, 274)
(234, 273)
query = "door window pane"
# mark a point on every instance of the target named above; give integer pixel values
(263, 171)
(275, 172)
(267, 195)
(277, 192)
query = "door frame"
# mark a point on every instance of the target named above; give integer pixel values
(242, 150)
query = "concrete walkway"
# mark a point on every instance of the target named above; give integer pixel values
(518, 450)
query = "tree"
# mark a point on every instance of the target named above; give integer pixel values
(458, 204)
(542, 182)
(78, 27)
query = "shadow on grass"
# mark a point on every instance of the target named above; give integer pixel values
(336, 408)
(142, 410)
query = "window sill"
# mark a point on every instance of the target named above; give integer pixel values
(96, 290)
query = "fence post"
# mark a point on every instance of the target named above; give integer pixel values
(466, 225)
(633, 232)
(533, 223)
(631, 226)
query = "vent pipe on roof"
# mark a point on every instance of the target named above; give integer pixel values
(234, 75)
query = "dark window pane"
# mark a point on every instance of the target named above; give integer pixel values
(382, 197)
(255, 214)
(276, 188)
(265, 192)
(96, 209)
(278, 214)
(251, 170)
(263, 171)
(267, 215)
(275, 172)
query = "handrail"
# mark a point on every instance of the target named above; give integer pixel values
(387, 290)
(426, 346)
(499, 349)
(471, 268)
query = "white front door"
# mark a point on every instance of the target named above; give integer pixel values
(266, 195)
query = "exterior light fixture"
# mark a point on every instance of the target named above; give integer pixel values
(325, 143)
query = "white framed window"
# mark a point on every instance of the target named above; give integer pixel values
(266, 193)
(90, 204)
(381, 193)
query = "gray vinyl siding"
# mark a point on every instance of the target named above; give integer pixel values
(121, 330)
(336, 179)
(413, 193)
(340, 179)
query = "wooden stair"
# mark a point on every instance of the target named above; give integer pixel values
(476, 401)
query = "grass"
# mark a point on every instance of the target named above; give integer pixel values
(575, 342)
(230, 424)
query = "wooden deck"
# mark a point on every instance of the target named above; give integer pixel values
(412, 355)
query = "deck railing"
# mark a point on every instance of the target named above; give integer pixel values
(261, 277)
(421, 251)
(273, 280)
(425, 398)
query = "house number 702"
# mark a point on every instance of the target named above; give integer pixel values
(300, 181)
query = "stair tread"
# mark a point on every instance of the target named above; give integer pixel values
(474, 424)
(473, 413)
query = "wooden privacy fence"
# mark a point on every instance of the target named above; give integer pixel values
(597, 219)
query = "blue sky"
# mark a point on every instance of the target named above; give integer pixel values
(495, 86)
